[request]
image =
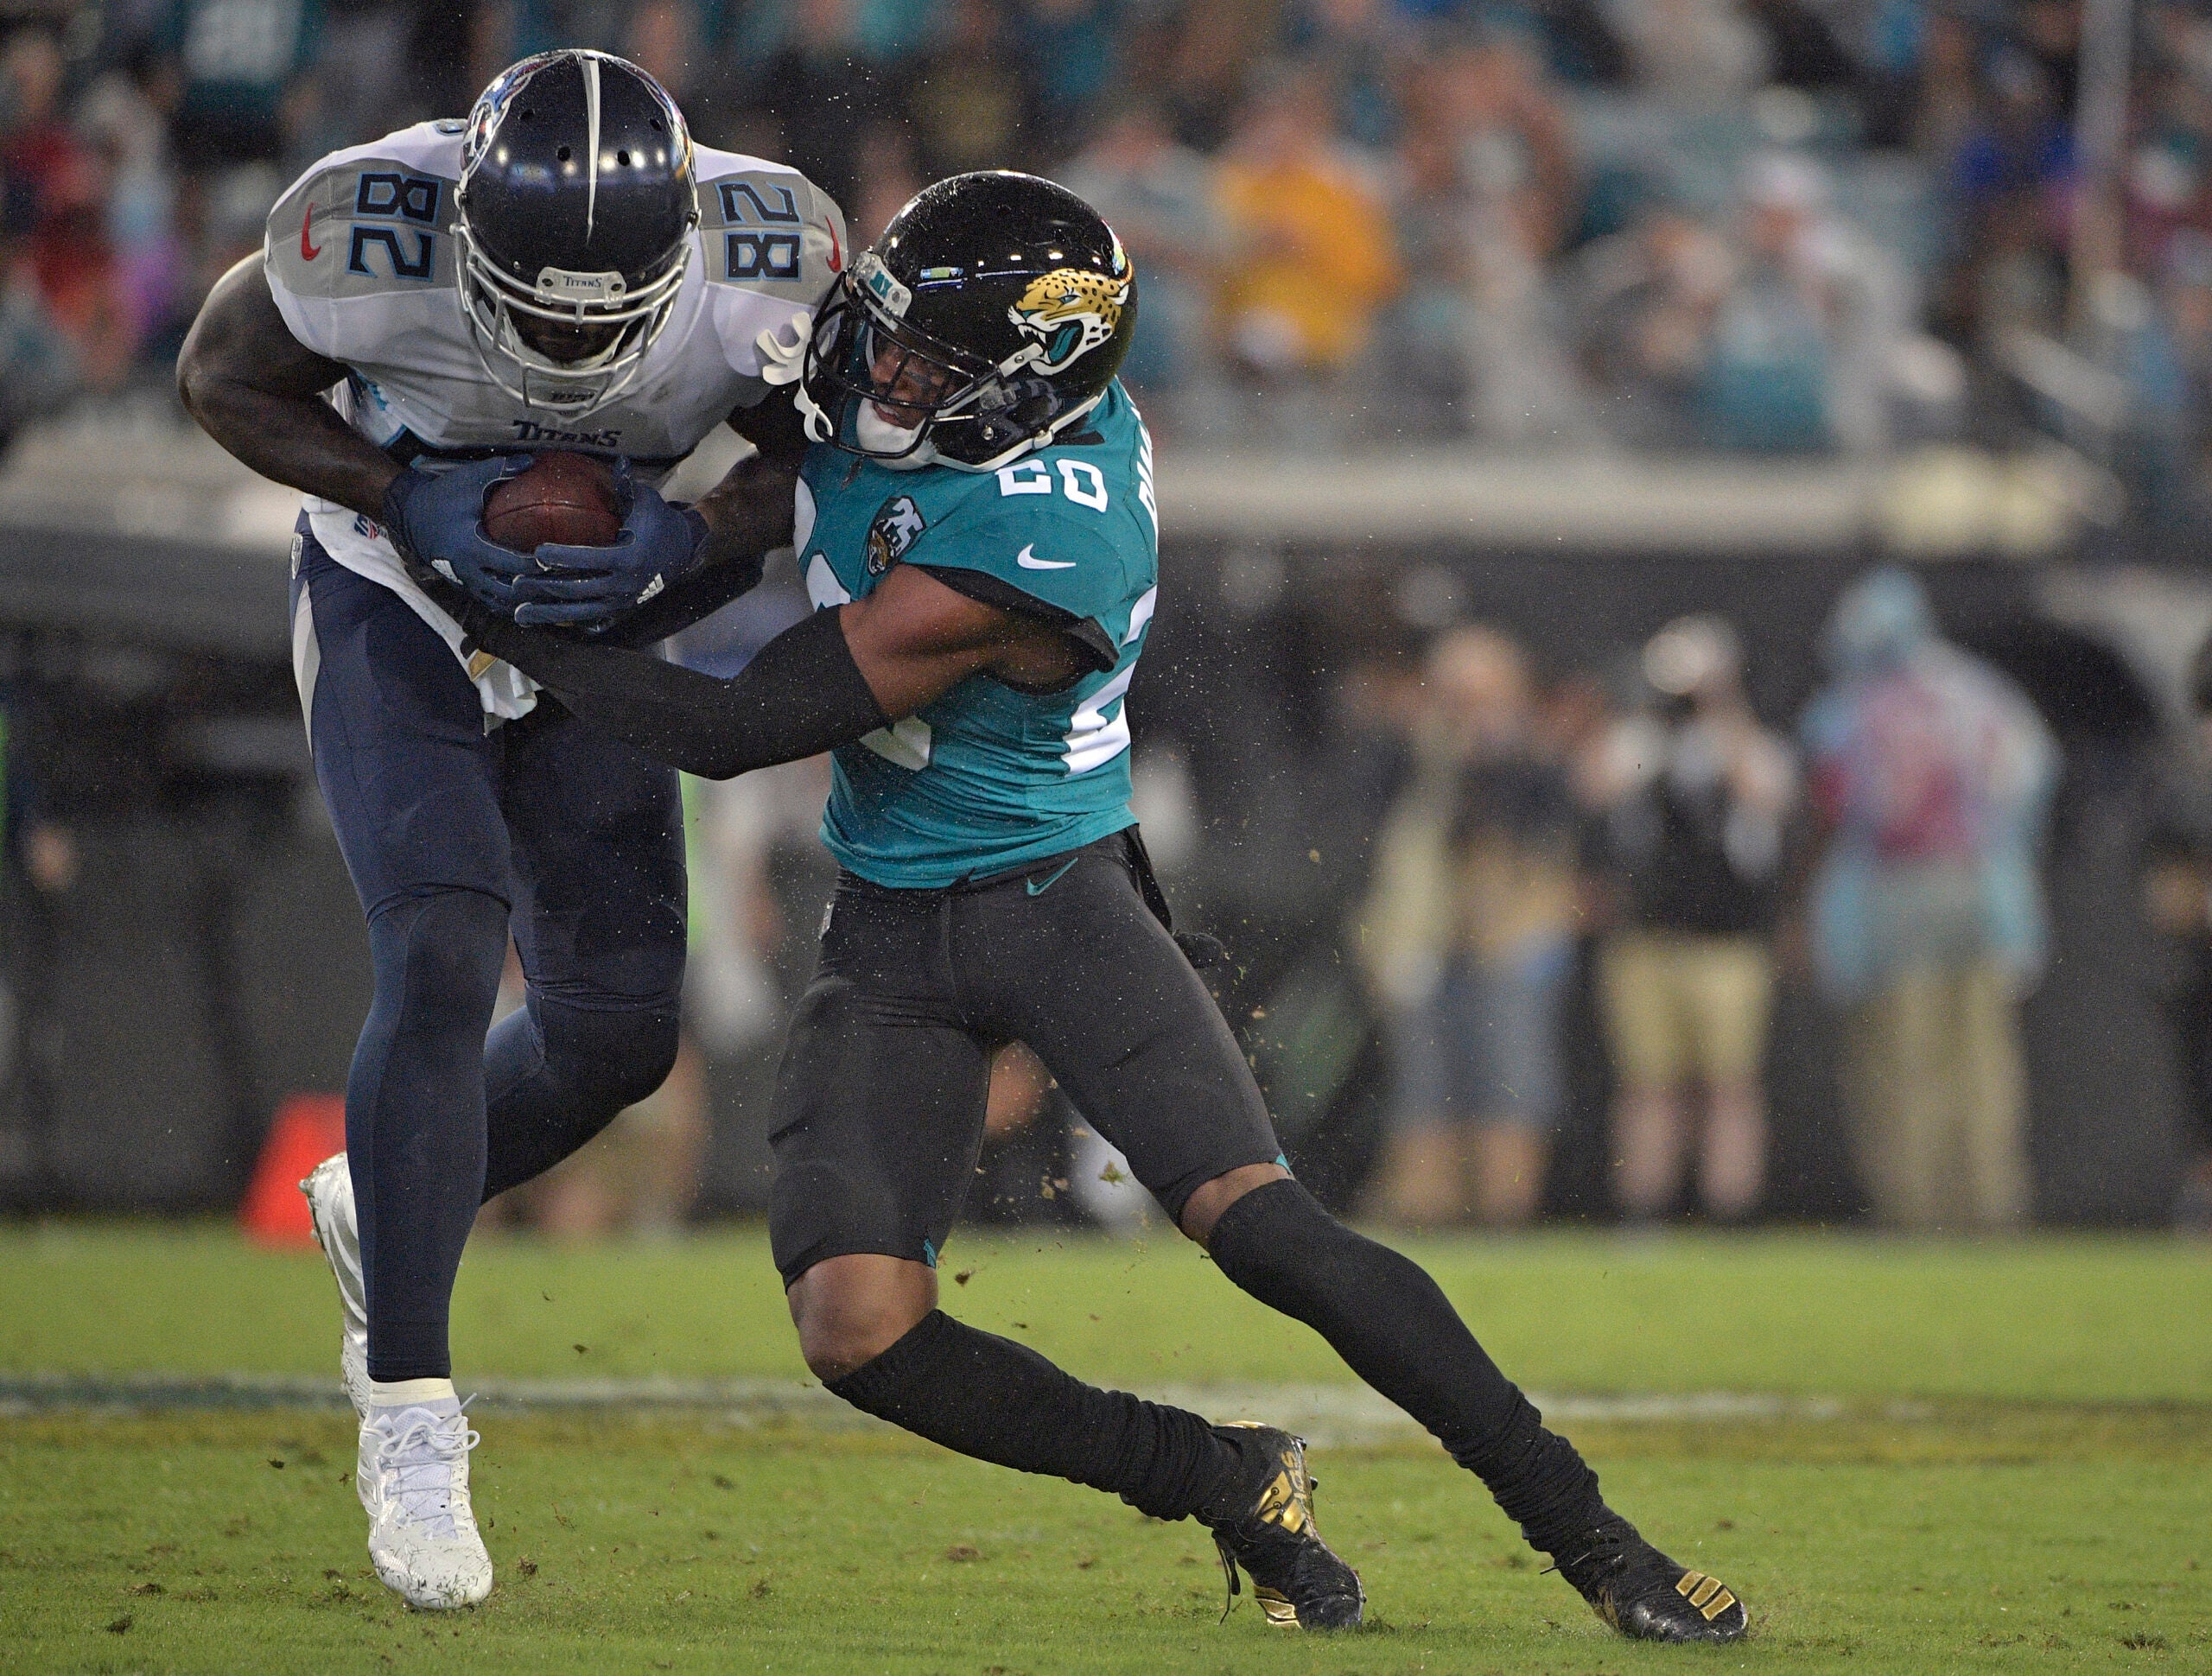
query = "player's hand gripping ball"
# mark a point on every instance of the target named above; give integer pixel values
(609, 557)
(435, 519)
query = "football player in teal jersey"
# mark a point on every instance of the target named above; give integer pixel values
(976, 525)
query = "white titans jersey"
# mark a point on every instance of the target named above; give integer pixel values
(361, 259)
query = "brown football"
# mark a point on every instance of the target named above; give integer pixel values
(564, 498)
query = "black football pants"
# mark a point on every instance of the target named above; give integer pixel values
(878, 1113)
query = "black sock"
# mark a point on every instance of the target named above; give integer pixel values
(1385, 1317)
(1001, 1402)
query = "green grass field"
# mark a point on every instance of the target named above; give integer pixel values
(2014, 1473)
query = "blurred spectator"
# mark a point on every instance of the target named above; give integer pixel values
(1467, 938)
(2050, 31)
(1077, 51)
(1201, 56)
(39, 152)
(38, 366)
(1694, 796)
(361, 67)
(2131, 331)
(148, 258)
(663, 39)
(2010, 178)
(1360, 48)
(1485, 190)
(1770, 368)
(1949, 93)
(63, 320)
(970, 99)
(242, 75)
(639, 1175)
(823, 94)
(1695, 54)
(1931, 776)
(42, 845)
(1646, 305)
(2177, 902)
(1310, 256)
(1158, 196)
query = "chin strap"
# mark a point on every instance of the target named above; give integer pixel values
(784, 362)
(819, 426)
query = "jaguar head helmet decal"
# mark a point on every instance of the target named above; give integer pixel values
(1066, 313)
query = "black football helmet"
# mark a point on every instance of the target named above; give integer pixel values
(576, 203)
(992, 313)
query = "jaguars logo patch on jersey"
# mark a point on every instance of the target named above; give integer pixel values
(1068, 313)
(896, 527)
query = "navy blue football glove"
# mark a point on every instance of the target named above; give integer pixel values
(591, 589)
(437, 520)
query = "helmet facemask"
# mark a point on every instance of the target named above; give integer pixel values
(878, 386)
(577, 211)
(634, 317)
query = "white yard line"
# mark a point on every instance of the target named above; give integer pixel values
(1337, 1415)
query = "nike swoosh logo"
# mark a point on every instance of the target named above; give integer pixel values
(1027, 560)
(1051, 879)
(306, 222)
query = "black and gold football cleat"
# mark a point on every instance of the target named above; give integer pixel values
(1299, 1583)
(1642, 1593)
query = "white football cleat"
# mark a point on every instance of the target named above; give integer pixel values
(329, 1191)
(421, 1529)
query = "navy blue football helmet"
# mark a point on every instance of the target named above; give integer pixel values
(577, 199)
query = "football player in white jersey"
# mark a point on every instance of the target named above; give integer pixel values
(565, 270)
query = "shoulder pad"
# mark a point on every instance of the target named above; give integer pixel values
(368, 220)
(768, 229)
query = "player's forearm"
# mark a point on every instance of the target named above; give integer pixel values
(801, 695)
(750, 510)
(303, 444)
(257, 390)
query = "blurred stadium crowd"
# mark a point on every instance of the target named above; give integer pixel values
(1771, 227)
(1664, 847)
(1760, 225)
(1578, 891)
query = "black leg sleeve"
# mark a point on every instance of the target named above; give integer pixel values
(1392, 1323)
(1001, 1402)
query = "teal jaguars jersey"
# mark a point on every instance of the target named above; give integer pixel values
(987, 778)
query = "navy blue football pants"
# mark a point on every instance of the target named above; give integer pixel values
(456, 835)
